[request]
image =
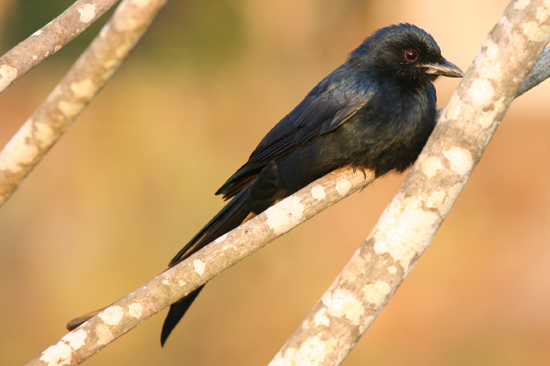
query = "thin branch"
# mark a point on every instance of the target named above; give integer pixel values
(410, 221)
(178, 281)
(81, 84)
(50, 39)
(539, 73)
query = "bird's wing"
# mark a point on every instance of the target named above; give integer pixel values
(330, 104)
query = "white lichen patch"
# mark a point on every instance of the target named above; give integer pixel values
(76, 339)
(376, 293)
(460, 159)
(491, 49)
(542, 13)
(367, 258)
(431, 166)
(110, 63)
(87, 13)
(487, 118)
(311, 352)
(343, 303)
(321, 318)
(453, 111)
(490, 56)
(70, 109)
(8, 72)
(124, 25)
(221, 239)
(104, 335)
(44, 134)
(494, 71)
(521, 4)
(343, 186)
(199, 266)
(399, 232)
(7, 75)
(122, 50)
(135, 310)
(283, 216)
(141, 3)
(279, 360)
(482, 92)
(112, 315)
(392, 270)
(181, 283)
(17, 151)
(436, 199)
(83, 89)
(59, 354)
(318, 193)
(535, 31)
(505, 23)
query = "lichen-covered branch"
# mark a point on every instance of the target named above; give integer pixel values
(408, 224)
(178, 281)
(81, 84)
(50, 39)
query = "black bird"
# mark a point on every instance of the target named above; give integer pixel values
(374, 112)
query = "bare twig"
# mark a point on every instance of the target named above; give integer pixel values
(50, 39)
(539, 73)
(178, 281)
(81, 84)
(408, 224)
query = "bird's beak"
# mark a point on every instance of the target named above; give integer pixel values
(444, 68)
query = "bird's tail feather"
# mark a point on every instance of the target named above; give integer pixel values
(234, 213)
(177, 311)
(229, 217)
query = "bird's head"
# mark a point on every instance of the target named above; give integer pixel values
(405, 53)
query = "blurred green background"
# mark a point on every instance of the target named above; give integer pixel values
(134, 178)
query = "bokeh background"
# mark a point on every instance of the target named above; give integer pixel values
(134, 178)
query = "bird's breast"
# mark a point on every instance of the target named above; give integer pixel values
(391, 130)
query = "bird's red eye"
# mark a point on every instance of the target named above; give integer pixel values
(411, 55)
